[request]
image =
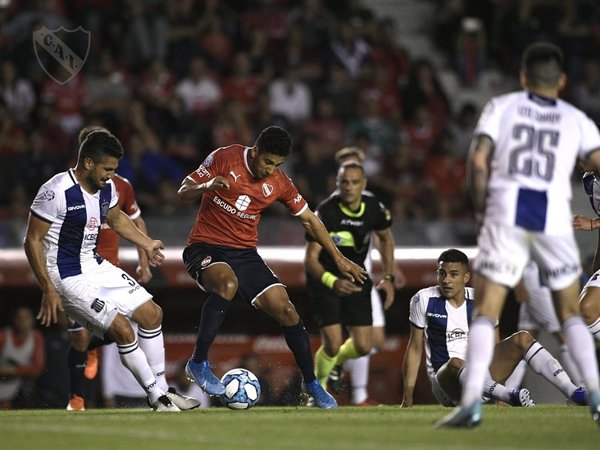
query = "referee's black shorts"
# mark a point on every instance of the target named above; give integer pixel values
(330, 309)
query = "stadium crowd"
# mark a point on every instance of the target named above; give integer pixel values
(175, 79)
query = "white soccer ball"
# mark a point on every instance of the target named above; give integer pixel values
(242, 389)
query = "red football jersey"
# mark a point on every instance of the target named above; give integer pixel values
(230, 217)
(108, 240)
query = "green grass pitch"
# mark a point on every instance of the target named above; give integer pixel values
(347, 428)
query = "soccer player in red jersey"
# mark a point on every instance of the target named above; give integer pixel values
(236, 183)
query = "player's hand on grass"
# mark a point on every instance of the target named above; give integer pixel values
(350, 270)
(49, 307)
(583, 222)
(344, 288)
(153, 250)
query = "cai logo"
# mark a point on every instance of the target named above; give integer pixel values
(50, 48)
(267, 189)
(242, 202)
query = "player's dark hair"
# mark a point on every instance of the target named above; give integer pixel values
(274, 140)
(85, 131)
(542, 64)
(99, 144)
(453, 255)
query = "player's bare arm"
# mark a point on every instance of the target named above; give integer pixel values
(478, 170)
(341, 286)
(143, 269)
(34, 250)
(190, 190)
(315, 228)
(122, 224)
(410, 368)
(385, 245)
(585, 223)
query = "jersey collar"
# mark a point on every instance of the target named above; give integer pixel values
(541, 100)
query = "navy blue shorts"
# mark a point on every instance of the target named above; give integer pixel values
(253, 274)
(354, 310)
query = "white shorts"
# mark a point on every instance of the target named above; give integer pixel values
(94, 297)
(593, 282)
(377, 309)
(538, 313)
(504, 251)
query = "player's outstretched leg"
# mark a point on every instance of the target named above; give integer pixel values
(521, 397)
(322, 398)
(462, 417)
(201, 374)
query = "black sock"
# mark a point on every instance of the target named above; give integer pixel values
(98, 342)
(298, 341)
(76, 361)
(213, 313)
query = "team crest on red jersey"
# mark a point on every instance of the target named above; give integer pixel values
(267, 189)
(206, 261)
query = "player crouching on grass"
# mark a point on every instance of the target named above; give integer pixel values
(440, 317)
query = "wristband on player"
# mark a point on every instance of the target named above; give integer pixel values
(389, 277)
(328, 279)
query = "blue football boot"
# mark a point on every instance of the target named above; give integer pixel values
(201, 374)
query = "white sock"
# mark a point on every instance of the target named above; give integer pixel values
(358, 368)
(546, 365)
(495, 390)
(515, 379)
(570, 366)
(135, 360)
(595, 329)
(583, 350)
(479, 357)
(153, 345)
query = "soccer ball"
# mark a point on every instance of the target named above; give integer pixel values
(242, 389)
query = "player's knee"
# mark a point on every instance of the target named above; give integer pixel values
(227, 287)
(156, 317)
(522, 339)
(121, 331)
(590, 309)
(363, 348)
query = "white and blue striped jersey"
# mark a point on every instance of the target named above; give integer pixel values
(537, 141)
(75, 217)
(591, 185)
(446, 328)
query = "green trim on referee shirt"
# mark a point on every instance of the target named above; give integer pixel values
(350, 213)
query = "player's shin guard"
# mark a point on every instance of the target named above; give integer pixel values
(134, 359)
(213, 314)
(544, 364)
(152, 344)
(298, 341)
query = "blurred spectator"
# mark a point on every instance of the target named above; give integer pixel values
(424, 88)
(349, 49)
(462, 127)
(182, 34)
(199, 91)
(262, 61)
(146, 34)
(375, 84)
(387, 53)
(314, 23)
(17, 93)
(108, 91)
(215, 44)
(421, 133)
(340, 88)
(67, 101)
(242, 85)
(290, 97)
(328, 128)
(314, 171)
(22, 359)
(231, 125)
(470, 54)
(586, 94)
(268, 15)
